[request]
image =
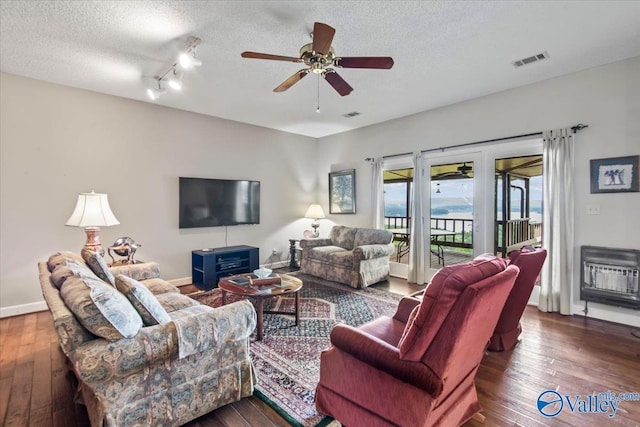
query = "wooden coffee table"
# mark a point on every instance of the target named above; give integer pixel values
(288, 285)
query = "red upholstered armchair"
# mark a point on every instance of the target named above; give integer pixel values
(417, 368)
(508, 329)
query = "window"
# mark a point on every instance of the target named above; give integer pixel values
(397, 197)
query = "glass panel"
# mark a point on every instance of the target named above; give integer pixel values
(397, 209)
(518, 203)
(396, 206)
(452, 189)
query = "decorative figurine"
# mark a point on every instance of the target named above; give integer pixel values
(126, 247)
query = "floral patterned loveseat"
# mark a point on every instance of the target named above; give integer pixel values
(143, 353)
(357, 257)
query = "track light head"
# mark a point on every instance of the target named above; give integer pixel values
(171, 75)
(175, 81)
(155, 93)
(188, 60)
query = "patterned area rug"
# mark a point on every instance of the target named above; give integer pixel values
(287, 360)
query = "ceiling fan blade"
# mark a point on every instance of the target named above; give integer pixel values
(379, 62)
(292, 80)
(322, 37)
(257, 55)
(338, 83)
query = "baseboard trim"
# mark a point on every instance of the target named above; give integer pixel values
(16, 310)
(278, 264)
(608, 313)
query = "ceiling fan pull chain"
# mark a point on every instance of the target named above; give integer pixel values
(318, 109)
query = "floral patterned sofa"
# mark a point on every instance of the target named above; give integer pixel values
(143, 353)
(357, 257)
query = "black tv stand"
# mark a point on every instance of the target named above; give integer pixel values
(209, 265)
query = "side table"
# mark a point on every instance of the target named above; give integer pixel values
(293, 263)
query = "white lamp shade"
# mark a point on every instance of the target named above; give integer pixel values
(315, 212)
(92, 210)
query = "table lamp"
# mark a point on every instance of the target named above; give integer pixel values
(315, 212)
(92, 212)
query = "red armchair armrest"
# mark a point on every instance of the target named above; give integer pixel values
(385, 357)
(405, 307)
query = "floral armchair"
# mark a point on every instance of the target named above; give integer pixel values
(357, 257)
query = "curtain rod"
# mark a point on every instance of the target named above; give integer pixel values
(575, 129)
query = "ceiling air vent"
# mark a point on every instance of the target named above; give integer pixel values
(351, 114)
(531, 59)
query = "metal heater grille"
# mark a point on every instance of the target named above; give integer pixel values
(610, 276)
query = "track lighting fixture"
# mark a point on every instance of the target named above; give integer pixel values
(175, 80)
(155, 93)
(189, 60)
(171, 75)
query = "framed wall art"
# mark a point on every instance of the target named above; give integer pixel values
(342, 192)
(615, 175)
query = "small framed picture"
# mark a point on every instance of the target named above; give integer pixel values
(342, 192)
(615, 175)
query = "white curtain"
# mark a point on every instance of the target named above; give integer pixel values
(557, 221)
(377, 192)
(418, 236)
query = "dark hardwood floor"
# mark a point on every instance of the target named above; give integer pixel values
(570, 354)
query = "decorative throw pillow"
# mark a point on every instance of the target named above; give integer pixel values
(172, 301)
(159, 286)
(98, 265)
(59, 257)
(69, 267)
(100, 308)
(143, 300)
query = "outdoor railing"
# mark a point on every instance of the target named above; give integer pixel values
(461, 226)
(513, 233)
(509, 234)
(397, 222)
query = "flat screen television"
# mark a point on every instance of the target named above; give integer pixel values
(217, 202)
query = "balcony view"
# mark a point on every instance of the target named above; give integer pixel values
(517, 208)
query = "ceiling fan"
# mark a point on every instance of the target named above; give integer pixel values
(461, 171)
(320, 58)
(464, 169)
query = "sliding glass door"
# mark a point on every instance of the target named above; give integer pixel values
(474, 202)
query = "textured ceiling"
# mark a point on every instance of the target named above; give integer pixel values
(444, 51)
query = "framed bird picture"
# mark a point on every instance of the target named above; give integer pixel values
(615, 175)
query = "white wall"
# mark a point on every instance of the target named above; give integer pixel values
(56, 142)
(606, 98)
